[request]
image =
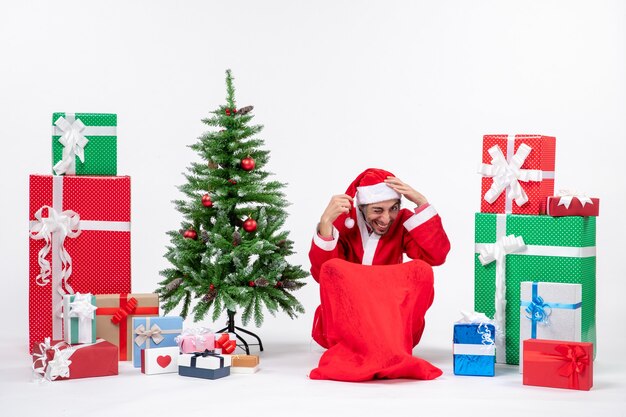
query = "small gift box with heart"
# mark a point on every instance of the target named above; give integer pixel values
(84, 143)
(207, 365)
(474, 346)
(151, 332)
(558, 364)
(571, 203)
(79, 318)
(55, 360)
(225, 343)
(194, 340)
(160, 360)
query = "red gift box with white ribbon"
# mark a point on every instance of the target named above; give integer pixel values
(572, 203)
(79, 242)
(518, 173)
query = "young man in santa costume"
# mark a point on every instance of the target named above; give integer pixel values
(366, 225)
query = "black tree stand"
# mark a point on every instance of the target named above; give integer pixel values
(230, 327)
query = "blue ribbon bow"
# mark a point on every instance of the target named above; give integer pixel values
(538, 311)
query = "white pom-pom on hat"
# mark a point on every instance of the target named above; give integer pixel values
(349, 222)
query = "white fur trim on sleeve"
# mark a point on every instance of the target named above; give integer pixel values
(326, 245)
(420, 218)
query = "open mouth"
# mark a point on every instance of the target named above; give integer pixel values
(380, 227)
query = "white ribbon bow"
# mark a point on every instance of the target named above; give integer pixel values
(81, 307)
(497, 252)
(58, 366)
(473, 318)
(568, 195)
(142, 334)
(64, 224)
(508, 175)
(73, 142)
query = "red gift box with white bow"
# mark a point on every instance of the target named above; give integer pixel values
(518, 173)
(79, 242)
(57, 360)
(572, 204)
(558, 364)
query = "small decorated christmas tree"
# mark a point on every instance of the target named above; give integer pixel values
(230, 253)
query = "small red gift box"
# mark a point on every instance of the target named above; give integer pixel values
(558, 364)
(518, 173)
(54, 360)
(79, 242)
(572, 205)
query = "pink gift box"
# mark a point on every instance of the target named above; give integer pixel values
(196, 340)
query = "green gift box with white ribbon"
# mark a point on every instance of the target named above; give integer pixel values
(79, 318)
(514, 248)
(84, 144)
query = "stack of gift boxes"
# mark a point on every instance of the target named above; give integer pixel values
(83, 318)
(534, 270)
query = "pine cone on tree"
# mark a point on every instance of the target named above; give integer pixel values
(289, 285)
(210, 296)
(261, 282)
(245, 110)
(204, 236)
(236, 238)
(173, 284)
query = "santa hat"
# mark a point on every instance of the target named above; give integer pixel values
(367, 188)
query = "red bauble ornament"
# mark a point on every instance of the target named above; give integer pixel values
(190, 234)
(211, 287)
(251, 283)
(206, 201)
(227, 111)
(247, 164)
(232, 181)
(249, 225)
(234, 110)
(279, 284)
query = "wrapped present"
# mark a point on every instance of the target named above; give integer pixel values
(207, 365)
(53, 360)
(225, 343)
(515, 248)
(196, 340)
(160, 360)
(244, 364)
(570, 203)
(558, 364)
(79, 242)
(518, 173)
(474, 346)
(79, 318)
(153, 332)
(114, 318)
(84, 144)
(550, 311)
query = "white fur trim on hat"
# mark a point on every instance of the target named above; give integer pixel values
(376, 193)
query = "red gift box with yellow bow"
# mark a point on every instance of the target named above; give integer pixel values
(558, 364)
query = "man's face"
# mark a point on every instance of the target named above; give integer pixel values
(380, 216)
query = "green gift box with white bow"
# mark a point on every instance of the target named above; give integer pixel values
(79, 318)
(513, 248)
(84, 144)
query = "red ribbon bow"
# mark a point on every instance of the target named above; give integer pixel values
(576, 360)
(228, 346)
(123, 312)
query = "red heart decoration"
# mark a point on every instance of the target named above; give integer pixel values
(164, 360)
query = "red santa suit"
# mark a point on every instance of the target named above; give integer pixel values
(419, 234)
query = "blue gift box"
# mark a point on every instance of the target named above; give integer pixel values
(474, 349)
(151, 332)
(206, 365)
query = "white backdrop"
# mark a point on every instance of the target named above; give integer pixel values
(340, 86)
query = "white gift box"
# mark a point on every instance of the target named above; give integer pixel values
(159, 360)
(549, 311)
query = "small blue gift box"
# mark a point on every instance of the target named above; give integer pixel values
(207, 365)
(474, 349)
(151, 332)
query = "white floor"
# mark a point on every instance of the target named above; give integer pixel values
(282, 388)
